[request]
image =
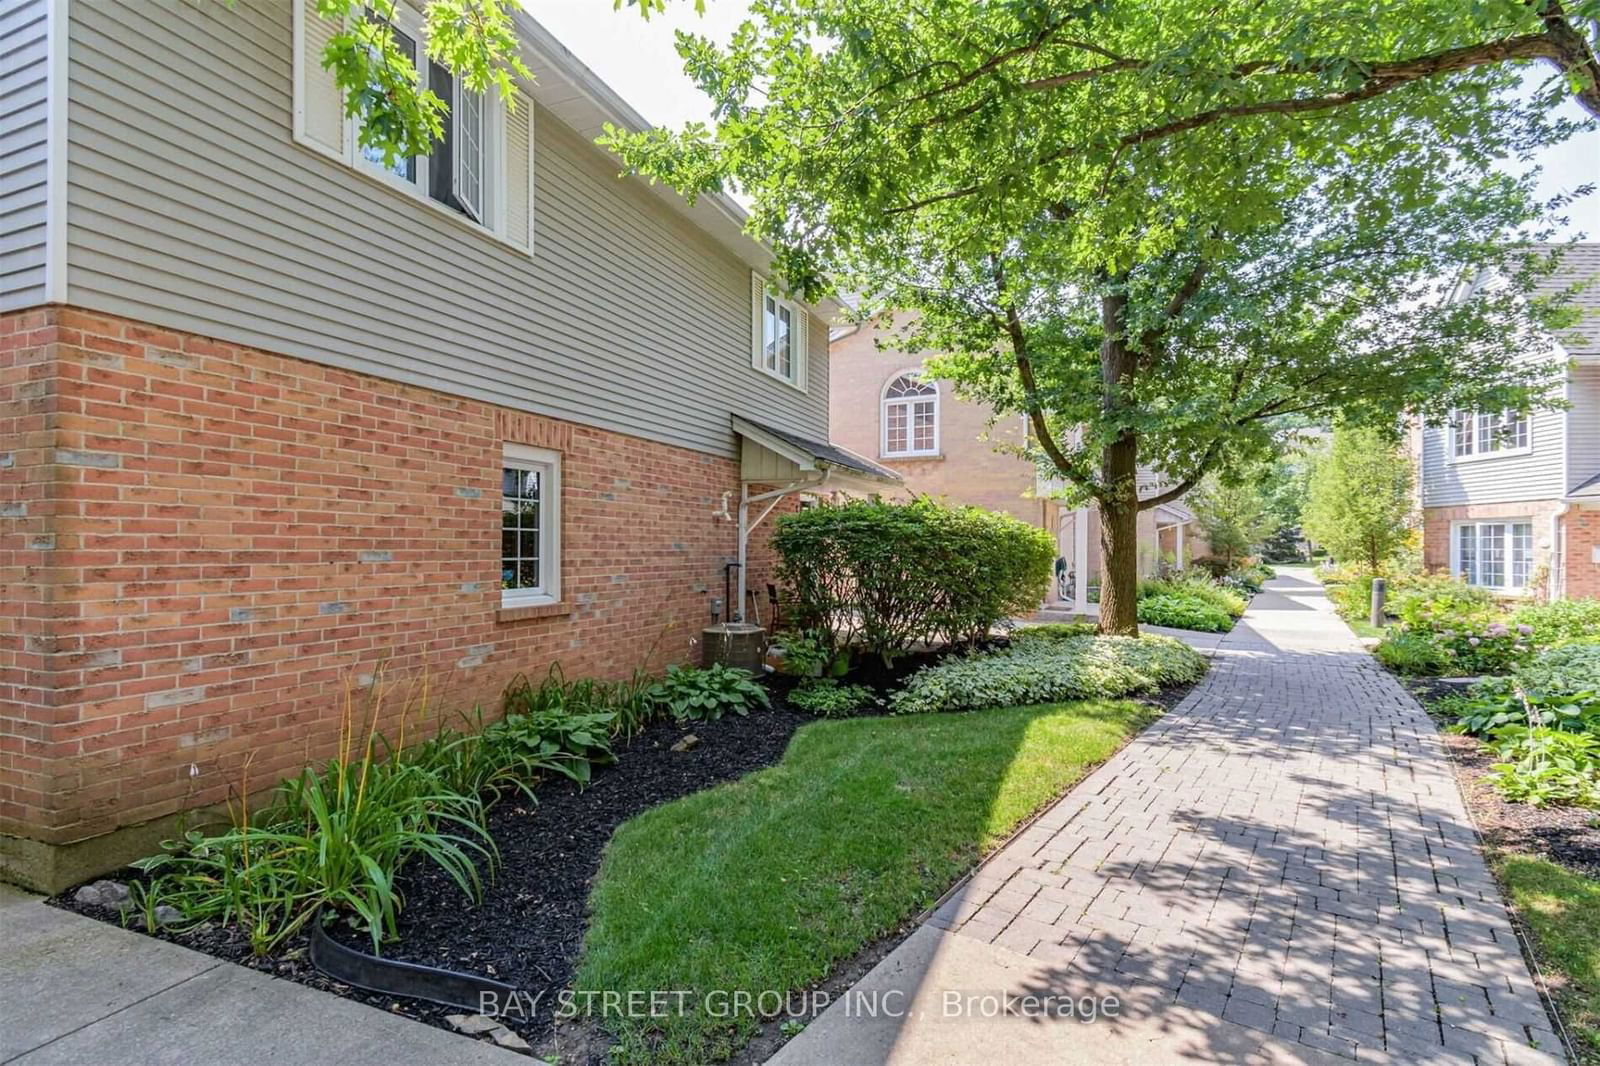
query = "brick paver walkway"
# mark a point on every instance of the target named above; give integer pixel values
(1287, 850)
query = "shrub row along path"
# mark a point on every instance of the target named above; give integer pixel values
(1280, 870)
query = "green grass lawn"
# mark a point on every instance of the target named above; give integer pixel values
(1363, 628)
(1562, 909)
(764, 883)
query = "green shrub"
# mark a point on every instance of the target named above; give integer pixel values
(1563, 670)
(333, 837)
(884, 576)
(1414, 654)
(1196, 585)
(1051, 631)
(1495, 648)
(516, 752)
(706, 694)
(1440, 603)
(827, 698)
(1500, 703)
(1542, 766)
(1184, 612)
(1047, 671)
(1560, 622)
(627, 701)
(810, 653)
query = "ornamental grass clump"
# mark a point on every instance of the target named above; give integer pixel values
(1046, 671)
(333, 837)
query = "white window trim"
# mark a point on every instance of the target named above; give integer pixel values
(1475, 456)
(799, 336)
(524, 457)
(883, 418)
(494, 126)
(1458, 571)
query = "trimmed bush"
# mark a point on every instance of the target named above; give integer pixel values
(885, 576)
(1048, 671)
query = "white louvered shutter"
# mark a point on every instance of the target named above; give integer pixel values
(519, 173)
(758, 293)
(319, 120)
(800, 344)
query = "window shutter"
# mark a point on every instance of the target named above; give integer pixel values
(800, 344)
(319, 119)
(758, 292)
(519, 173)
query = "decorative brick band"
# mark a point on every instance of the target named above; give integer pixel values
(536, 431)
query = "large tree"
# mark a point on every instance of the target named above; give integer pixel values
(1359, 504)
(1153, 278)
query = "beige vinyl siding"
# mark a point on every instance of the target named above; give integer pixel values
(191, 207)
(1583, 424)
(1532, 475)
(24, 114)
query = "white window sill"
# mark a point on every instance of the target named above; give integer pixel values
(517, 598)
(372, 174)
(1479, 457)
(775, 376)
(911, 455)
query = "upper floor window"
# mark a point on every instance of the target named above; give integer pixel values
(1479, 433)
(778, 334)
(910, 416)
(481, 170)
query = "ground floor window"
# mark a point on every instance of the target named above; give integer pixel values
(530, 527)
(1497, 555)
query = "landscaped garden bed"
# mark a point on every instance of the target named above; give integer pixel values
(681, 832)
(1526, 751)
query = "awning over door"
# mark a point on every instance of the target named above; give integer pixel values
(792, 463)
(773, 456)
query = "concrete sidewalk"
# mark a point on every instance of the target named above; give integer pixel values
(1279, 870)
(77, 991)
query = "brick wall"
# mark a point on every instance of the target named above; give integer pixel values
(969, 470)
(204, 547)
(1436, 522)
(1583, 537)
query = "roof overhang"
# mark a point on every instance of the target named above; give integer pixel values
(807, 458)
(573, 93)
(1174, 513)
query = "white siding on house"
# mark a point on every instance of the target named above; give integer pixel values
(23, 151)
(1531, 475)
(1583, 424)
(191, 207)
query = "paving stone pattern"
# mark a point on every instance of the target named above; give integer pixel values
(1288, 850)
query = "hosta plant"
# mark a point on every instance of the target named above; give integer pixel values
(706, 694)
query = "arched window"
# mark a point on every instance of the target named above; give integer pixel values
(910, 416)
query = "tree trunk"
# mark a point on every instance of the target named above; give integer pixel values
(1119, 470)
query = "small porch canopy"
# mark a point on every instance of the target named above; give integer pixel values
(792, 463)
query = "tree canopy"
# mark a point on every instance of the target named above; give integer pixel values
(1359, 504)
(1151, 228)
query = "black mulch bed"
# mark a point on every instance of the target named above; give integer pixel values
(528, 931)
(1569, 836)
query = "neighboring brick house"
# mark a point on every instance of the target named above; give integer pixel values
(943, 446)
(273, 416)
(1511, 501)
